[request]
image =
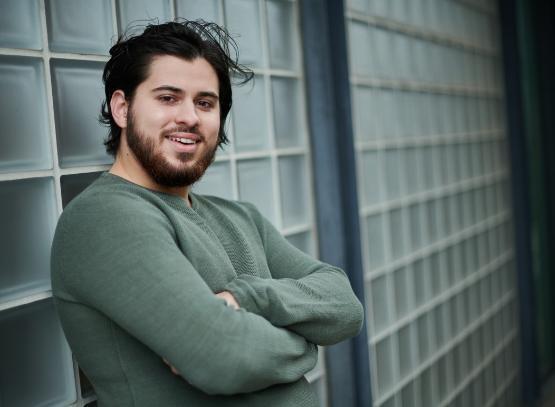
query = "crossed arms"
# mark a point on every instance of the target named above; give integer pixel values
(147, 286)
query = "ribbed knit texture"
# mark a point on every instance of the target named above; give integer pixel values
(134, 274)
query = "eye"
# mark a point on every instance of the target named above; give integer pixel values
(167, 99)
(205, 104)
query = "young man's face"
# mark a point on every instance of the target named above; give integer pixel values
(174, 120)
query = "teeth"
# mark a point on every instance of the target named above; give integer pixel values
(182, 140)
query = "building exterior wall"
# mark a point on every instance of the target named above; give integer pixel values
(435, 211)
(51, 64)
(430, 141)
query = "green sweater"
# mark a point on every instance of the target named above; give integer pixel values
(134, 274)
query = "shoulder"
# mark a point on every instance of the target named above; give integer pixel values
(109, 204)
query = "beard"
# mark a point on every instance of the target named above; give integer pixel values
(158, 167)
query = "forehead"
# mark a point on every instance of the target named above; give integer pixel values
(168, 70)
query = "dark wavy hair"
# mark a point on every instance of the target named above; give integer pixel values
(132, 55)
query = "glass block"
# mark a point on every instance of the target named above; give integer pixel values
(289, 115)
(438, 328)
(393, 172)
(216, 181)
(80, 26)
(408, 396)
(302, 241)
(428, 383)
(385, 367)
(243, 22)
(360, 6)
(413, 173)
(478, 391)
(489, 376)
(437, 274)
(28, 217)
(424, 337)
(447, 323)
(410, 113)
(445, 220)
(433, 213)
(364, 108)
(282, 34)
(78, 92)
(379, 7)
(25, 141)
(359, 46)
(249, 116)
(456, 263)
(370, 165)
(419, 52)
(397, 233)
(207, 10)
(378, 114)
(294, 190)
(256, 185)
(381, 52)
(428, 114)
(390, 111)
(321, 390)
(422, 282)
(380, 294)
(445, 175)
(73, 185)
(464, 357)
(406, 341)
(416, 213)
(429, 171)
(375, 236)
(36, 368)
(142, 12)
(452, 207)
(444, 371)
(403, 62)
(20, 25)
(403, 300)
(477, 346)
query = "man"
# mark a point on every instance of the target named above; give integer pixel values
(169, 298)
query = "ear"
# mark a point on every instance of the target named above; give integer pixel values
(119, 106)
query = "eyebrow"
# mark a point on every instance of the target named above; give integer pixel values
(174, 89)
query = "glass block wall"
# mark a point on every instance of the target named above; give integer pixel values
(52, 54)
(427, 99)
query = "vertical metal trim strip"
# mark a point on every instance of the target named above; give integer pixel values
(520, 199)
(329, 114)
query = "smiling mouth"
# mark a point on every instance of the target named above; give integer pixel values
(183, 140)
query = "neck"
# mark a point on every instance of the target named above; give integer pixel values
(127, 167)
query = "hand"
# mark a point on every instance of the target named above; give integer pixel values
(229, 298)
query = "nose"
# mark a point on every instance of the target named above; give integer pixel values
(187, 114)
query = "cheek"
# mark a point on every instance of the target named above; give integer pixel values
(213, 123)
(157, 120)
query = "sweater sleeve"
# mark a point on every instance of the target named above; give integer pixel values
(304, 295)
(127, 265)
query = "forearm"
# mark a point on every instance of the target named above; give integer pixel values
(321, 307)
(245, 356)
(304, 295)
